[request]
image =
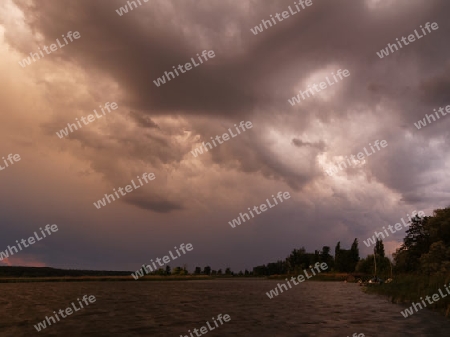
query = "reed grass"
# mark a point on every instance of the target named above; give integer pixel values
(409, 288)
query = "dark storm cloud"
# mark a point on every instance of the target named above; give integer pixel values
(251, 78)
(153, 203)
(138, 47)
(142, 120)
(299, 143)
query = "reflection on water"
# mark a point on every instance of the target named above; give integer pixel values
(173, 308)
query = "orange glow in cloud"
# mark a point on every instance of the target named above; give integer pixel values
(28, 261)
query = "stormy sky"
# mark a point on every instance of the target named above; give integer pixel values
(251, 77)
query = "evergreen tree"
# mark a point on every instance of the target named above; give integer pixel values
(354, 256)
(379, 248)
(337, 257)
(326, 257)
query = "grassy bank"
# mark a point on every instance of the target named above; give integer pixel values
(409, 288)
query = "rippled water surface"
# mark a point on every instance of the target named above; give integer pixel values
(173, 308)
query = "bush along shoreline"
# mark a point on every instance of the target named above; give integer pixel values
(422, 265)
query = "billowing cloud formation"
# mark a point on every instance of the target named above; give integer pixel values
(118, 58)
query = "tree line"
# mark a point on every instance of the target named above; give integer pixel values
(344, 260)
(425, 250)
(422, 263)
(298, 260)
(426, 247)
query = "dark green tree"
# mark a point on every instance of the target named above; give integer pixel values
(379, 248)
(346, 260)
(354, 255)
(260, 270)
(177, 271)
(326, 257)
(437, 260)
(367, 266)
(337, 252)
(297, 261)
(416, 243)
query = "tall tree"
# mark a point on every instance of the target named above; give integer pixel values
(379, 248)
(416, 243)
(297, 260)
(437, 260)
(337, 249)
(345, 260)
(354, 255)
(337, 257)
(326, 257)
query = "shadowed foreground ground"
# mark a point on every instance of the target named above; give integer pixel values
(171, 308)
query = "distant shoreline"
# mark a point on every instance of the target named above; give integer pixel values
(9, 274)
(112, 278)
(101, 278)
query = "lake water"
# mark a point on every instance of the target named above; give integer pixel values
(172, 308)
